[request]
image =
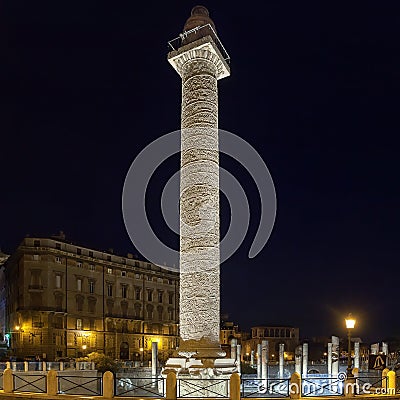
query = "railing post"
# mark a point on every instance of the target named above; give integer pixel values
(234, 386)
(52, 383)
(391, 386)
(350, 387)
(26, 366)
(295, 386)
(171, 389)
(44, 366)
(8, 364)
(385, 378)
(355, 372)
(61, 363)
(108, 385)
(8, 382)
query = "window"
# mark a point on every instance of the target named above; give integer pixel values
(123, 273)
(58, 246)
(170, 282)
(108, 258)
(124, 291)
(79, 264)
(91, 286)
(170, 298)
(58, 281)
(79, 285)
(160, 297)
(136, 263)
(79, 251)
(36, 257)
(148, 277)
(36, 243)
(58, 260)
(79, 303)
(137, 276)
(109, 289)
(58, 322)
(79, 323)
(137, 294)
(92, 304)
(92, 267)
(109, 270)
(148, 266)
(149, 295)
(90, 253)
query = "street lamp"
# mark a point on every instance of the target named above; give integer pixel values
(141, 356)
(350, 323)
(84, 347)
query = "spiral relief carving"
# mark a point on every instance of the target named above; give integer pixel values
(199, 201)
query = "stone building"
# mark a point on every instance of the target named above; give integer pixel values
(275, 335)
(64, 300)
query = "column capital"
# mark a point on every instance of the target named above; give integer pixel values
(203, 48)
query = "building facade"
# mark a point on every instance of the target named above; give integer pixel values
(64, 300)
(275, 335)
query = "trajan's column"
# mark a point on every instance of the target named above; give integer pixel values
(200, 60)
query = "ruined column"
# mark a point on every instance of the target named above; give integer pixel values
(357, 355)
(154, 359)
(329, 359)
(264, 359)
(298, 356)
(281, 359)
(233, 348)
(239, 357)
(259, 356)
(335, 356)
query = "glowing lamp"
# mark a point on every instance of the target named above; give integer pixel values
(350, 322)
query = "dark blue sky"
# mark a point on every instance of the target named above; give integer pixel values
(314, 88)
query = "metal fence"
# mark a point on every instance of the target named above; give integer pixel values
(321, 386)
(371, 384)
(80, 385)
(139, 386)
(202, 388)
(271, 387)
(30, 383)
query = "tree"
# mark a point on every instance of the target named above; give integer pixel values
(102, 362)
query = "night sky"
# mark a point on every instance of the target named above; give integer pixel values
(314, 88)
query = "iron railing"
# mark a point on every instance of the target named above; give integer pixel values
(80, 385)
(202, 388)
(371, 384)
(271, 387)
(139, 387)
(30, 383)
(177, 42)
(321, 386)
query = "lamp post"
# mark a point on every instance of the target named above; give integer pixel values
(350, 323)
(141, 356)
(84, 347)
(17, 339)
